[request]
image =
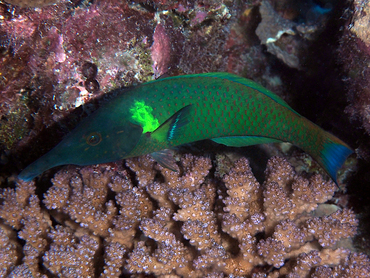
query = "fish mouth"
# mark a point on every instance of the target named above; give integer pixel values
(26, 175)
(33, 170)
(39, 166)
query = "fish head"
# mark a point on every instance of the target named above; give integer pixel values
(100, 144)
(100, 139)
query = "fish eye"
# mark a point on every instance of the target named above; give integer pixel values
(93, 139)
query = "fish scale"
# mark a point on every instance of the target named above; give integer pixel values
(229, 118)
(164, 113)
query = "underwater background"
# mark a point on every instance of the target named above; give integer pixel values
(260, 211)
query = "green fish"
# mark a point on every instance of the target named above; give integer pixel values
(158, 115)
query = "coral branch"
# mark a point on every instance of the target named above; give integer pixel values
(148, 220)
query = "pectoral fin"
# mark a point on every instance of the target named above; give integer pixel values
(242, 141)
(171, 129)
(166, 159)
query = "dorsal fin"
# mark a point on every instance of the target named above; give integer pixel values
(236, 79)
(249, 83)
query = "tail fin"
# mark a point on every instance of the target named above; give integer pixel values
(333, 154)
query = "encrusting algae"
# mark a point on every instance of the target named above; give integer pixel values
(33, 3)
(109, 220)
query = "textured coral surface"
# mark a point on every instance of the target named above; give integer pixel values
(32, 3)
(106, 221)
(355, 55)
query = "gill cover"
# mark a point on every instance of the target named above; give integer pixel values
(107, 144)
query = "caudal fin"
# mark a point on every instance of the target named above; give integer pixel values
(333, 154)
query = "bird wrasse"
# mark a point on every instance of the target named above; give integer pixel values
(155, 116)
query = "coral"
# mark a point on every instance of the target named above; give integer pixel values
(8, 252)
(12, 125)
(360, 22)
(84, 199)
(21, 210)
(143, 219)
(32, 3)
(354, 54)
(283, 36)
(161, 51)
(171, 255)
(43, 76)
(77, 261)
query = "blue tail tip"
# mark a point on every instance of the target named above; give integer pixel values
(334, 155)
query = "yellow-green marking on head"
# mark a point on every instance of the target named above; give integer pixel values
(142, 114)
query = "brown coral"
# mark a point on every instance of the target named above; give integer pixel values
(70, 256)
(21, 210)
(145, 219)
(83, 196)
(8, 253)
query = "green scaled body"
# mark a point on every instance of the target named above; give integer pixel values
(168, 112)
